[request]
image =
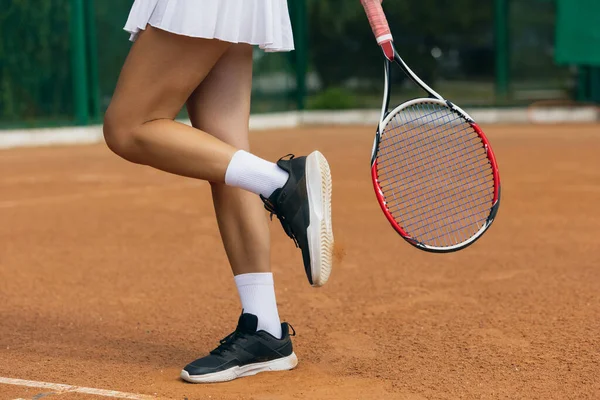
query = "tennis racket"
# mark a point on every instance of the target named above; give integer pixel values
(434, 172)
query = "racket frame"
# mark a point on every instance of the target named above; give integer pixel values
(391, 55)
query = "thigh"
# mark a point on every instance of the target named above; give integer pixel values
(160, 73)
(220, 105)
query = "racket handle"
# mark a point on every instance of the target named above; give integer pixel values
(378, 21)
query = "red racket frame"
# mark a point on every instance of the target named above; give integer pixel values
(493, 208)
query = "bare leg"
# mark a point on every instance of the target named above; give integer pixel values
(160, 73)
(221, 106)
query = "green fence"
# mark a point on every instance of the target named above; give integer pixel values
(59, 59)
(35, 73)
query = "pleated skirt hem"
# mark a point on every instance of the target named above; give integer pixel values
(263, 23)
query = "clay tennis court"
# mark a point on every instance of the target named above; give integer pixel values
(112, 277)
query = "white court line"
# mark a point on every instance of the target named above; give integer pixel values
(74, 389)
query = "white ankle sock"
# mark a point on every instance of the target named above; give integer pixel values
(257, 293)
(254, 174)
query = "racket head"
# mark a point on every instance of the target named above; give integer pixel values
(435, 175)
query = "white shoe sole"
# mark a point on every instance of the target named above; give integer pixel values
(320, 230)
(281, 364)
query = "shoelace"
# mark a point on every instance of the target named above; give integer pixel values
(270, 207)
(227, 343)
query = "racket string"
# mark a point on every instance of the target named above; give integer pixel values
(447, 155)
(455, 230)
(396, 149)
(483, 152)
(412, 206)
(399, 178)
(451, 216)
(443, 176)
(450, 176)
(455, 207)
(432, 189)
(429, 186)
(434, 173)
(422, 138)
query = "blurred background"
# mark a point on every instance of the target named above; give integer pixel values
(59, 59)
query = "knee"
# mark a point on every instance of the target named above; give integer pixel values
(119, 136)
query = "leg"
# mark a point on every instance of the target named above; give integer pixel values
(221, 106)
(160, 73)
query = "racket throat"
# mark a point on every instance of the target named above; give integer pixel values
(387, 88)
(388, 50)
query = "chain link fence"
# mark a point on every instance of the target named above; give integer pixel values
(60, 59)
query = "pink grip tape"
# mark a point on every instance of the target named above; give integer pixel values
(378, 21)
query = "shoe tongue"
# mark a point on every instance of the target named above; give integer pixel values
(247, 323)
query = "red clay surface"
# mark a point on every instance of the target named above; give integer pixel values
(112, 276)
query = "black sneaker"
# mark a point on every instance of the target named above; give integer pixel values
(303, 205)
(245, 352)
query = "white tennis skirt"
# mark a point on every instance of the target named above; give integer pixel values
(265, 23)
